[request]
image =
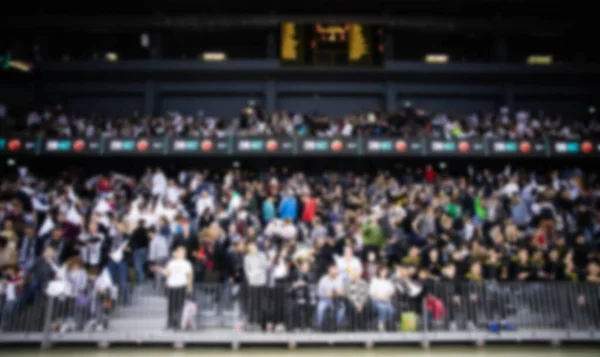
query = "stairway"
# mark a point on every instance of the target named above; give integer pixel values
(147, 312)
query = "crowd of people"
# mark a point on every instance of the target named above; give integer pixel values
(253, 120)
(342, 248)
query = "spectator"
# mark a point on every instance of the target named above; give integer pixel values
(117, 266)
(255, 267)
(12, 282)
(8, 249)
(139, 243)
(288, 207)
(357, 292)
(42, 272)
(27, 248)
(310, 209)
(268, 210)
(372, 236)
(158, 254)
(179, 275)
(329, 290)
(159, 183)
(303, 296)
(348, 264)
(381, 291)
(205, 204)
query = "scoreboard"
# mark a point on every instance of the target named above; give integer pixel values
(331, 45)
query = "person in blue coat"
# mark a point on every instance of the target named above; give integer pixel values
(268, 210)
(288, 207)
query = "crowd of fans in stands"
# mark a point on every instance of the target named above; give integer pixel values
(365, 239)
(253, 120)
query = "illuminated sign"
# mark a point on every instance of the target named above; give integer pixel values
(393, 147)
(199, 146)
(341, 146)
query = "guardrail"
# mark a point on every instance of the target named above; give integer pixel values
(233, 314)
(298, 146)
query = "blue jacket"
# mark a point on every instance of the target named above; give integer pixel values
(268, 211)
(288, 208)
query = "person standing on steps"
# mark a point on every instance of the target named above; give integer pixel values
(179, 283)
(139, 242)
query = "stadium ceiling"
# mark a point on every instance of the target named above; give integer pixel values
(203, 22)
(514, 16)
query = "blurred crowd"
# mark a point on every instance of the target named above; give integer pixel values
(253, 120)
(364, 239)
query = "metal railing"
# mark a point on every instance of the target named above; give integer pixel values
(227, 313)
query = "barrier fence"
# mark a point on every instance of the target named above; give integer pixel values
(285, 313)
(239, 144)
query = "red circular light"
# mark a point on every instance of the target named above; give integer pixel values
(206, 145)
(142, 145)
(271, 145)
(401, 145)
(337, 145)
(587, 147)
(14, 145)
(463, 146)
(525, 147)
(78, 145)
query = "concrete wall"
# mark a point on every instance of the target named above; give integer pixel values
(156, 87)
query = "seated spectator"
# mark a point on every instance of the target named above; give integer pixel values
(381, 291)
(348, 264)
(329, 290)
(356, 291)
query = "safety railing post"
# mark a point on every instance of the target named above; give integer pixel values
(425, 314)
(47, 330)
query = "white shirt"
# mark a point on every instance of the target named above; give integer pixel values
(173, 193)
(149, 217)
(178, 273)
(10, 291)
(276, 226)
(203, 203)
(281, 269)
(288, 231)
(510, 189)
(347, 266)
(159, 184)
(33, 119)
(469, 230)
(169, 212)
(104, 280)
(91, 253)
(381, 289)
(347, 129)
(102, 207)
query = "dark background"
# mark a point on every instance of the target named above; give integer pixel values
(487, 42)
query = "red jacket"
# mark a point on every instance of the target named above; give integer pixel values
(430, 174)
(310, 210)
(104, 185)
(436, 307)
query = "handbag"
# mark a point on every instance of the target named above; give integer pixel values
(409, 321)
(82, 300)
(58, 288)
